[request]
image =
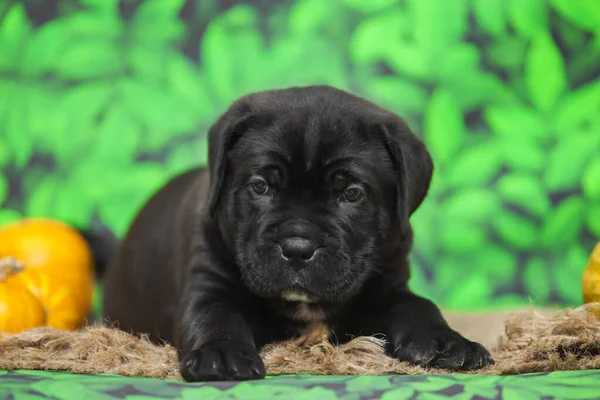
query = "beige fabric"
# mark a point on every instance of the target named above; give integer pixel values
(486, 328)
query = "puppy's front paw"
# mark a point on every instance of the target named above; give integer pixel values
(442, 348)
(224, 360)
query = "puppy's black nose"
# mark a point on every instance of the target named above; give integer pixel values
(297, 249)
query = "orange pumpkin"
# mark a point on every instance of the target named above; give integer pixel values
(60, 254)
(19, 308)
(590, 282)
(58, 298)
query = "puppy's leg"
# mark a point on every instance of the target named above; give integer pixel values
(216, 341)
(417, 332)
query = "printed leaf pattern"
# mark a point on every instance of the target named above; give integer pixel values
(102, 102)
(560, 385)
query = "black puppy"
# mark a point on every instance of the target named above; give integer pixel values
(301, 218)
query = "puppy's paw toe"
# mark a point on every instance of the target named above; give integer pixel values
(443, 348)
(222, 361)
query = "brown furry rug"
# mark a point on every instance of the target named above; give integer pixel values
(532, 342)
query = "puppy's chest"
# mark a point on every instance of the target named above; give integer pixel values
(307, 322)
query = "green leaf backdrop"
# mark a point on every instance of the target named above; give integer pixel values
(101, 101)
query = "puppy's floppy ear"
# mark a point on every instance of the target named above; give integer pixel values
(413, 165)
(221, 137)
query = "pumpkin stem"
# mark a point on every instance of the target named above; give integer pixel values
(10, 266)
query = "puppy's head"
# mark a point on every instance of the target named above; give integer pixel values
(313, 189)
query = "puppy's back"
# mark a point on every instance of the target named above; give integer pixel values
(142, 285)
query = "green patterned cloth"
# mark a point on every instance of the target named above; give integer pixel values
(20, 385)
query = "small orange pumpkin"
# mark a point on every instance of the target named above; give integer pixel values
(19, 308)
(58, 298)
(590, 282)
(60, 254)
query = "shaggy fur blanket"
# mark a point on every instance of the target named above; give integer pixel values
(530, 342)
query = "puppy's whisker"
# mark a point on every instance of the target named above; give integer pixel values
(252, 278)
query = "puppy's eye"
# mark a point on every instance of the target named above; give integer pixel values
(352, 194)
(260, 187)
